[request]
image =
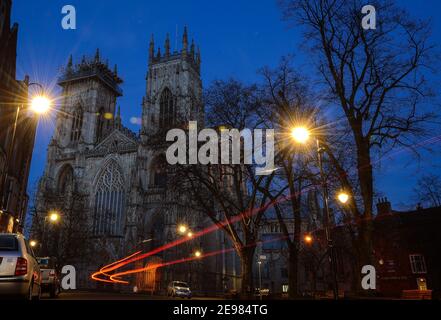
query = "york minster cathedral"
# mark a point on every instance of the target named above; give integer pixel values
(114, 180)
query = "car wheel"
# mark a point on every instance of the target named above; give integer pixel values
(38, 296)
(53, 292)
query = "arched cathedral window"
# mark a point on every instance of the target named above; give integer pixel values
(109, 202)
(77, 124)
(166, 109)
(159, 172)
(100, 125)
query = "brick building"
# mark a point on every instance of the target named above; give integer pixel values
(407, 250)
(15, 145)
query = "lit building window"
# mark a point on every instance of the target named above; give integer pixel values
(417, 263)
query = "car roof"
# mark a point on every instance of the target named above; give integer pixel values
(17, 235)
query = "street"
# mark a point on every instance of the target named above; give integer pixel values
(87, 295)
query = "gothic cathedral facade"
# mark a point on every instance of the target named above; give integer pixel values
(114, 181)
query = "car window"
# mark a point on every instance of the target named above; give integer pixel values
(45, 263)
(181, 284)
(8, 243)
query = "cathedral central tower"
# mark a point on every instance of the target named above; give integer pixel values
(174, 87)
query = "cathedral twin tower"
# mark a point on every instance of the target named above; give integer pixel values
(100, 171)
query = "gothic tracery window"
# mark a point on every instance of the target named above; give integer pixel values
(109, 202)
(77, 124)
(159, 172)
(166, 109)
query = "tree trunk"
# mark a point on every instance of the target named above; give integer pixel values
(366, 187)
(247, 255)
(293, 272)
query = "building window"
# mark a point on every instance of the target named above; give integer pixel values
(109, 202)
(159, 171)
(417, 263)
(77, 124)
(166, 109)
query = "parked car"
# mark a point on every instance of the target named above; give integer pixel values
(179, 289)
(19, 270)
(50, 279)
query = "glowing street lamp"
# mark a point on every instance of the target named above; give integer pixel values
(190, 234)
(54, 216)
(40, 104)
(308, 239)
(182, 229)
(343, 197)
(300, 134)
(32, 243)
(197, 253)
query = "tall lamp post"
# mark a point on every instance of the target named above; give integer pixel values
(53, 217)
(301, 135)
(259, 263)
(39, 105)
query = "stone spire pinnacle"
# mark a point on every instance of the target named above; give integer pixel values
(167, 45)
(192, 48)
(185, 40)
(97, 55)
(115, 70)
(151, 48)
(69, 62)
(198, 56)
(118, 118)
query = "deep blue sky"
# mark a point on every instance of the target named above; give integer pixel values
(236, 38)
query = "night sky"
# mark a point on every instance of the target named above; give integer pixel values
(236, 38)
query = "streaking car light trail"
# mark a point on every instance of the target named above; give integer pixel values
(137, 256)
(96, 275)
(116, 278)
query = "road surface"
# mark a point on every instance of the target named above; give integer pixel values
(84, 295)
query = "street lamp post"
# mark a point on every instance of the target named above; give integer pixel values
(331, 249)
(40, 104)
(301, 135)
(53, 217)
(259, 263)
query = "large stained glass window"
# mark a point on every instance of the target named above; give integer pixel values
(109, 202)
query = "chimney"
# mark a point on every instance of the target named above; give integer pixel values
(383, 207)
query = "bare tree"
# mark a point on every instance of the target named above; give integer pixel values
(428, 190)
(376, 79)
(68, 240)
(229, 193)
(287, 100)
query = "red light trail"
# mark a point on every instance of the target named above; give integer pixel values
(104, 271)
